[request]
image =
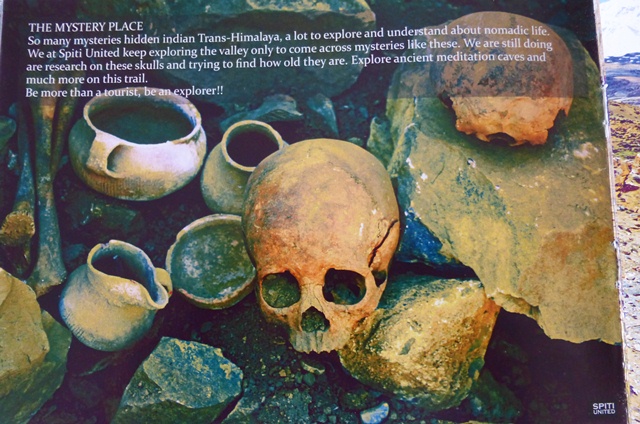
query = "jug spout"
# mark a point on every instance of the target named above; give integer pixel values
(110, 302)
(128, 275)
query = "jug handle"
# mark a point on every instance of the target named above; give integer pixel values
(102, 147)
(165, 280)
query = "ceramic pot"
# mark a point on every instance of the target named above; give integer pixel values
(110, 302)
(228, 167)
(138, 147)
(209, 264)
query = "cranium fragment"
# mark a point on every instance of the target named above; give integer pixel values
(321, 223)
(513, 81)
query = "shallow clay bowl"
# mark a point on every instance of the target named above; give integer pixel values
(208, 262)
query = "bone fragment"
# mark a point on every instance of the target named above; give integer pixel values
(52, 120)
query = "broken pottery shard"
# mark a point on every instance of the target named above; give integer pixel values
(92, 216)
(322, 115)
(180, 381)
(230, 27)
(426, 343)
(33, 351)
(276, 108)
(534, 223)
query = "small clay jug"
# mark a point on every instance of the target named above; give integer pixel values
(109, 303)
(138, 147)
(228, 167)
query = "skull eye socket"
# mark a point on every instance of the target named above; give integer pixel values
(343, 287)
(280, 290)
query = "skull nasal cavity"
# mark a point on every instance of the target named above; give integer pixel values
(313, 320)
(343, 287)
(380, 277)
(280, 290)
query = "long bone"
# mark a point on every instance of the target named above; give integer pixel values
(49, 269)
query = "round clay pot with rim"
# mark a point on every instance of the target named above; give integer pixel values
(138, 147)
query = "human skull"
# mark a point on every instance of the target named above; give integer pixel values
(519, 77)
(321, 224)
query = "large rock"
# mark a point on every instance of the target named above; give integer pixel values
(180, 381)
(426, 342)
(534, 223)
(24, 342)
(33, 351)
(242, 85)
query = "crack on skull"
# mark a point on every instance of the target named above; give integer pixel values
(374, 251)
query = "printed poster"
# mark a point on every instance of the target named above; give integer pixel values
(280, 211)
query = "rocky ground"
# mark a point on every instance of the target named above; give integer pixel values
(280, 384)
(625, 135)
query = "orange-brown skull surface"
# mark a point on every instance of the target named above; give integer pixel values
(321, 224)
(508, 78)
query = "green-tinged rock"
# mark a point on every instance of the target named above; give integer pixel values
(31, 390)
(180, 381)
(245, 410)
(426, 343)
(24, 343)
(33, 352)
(533, 222)
(493, 402)
(227, 26)
(380, 143)
(7, 129)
